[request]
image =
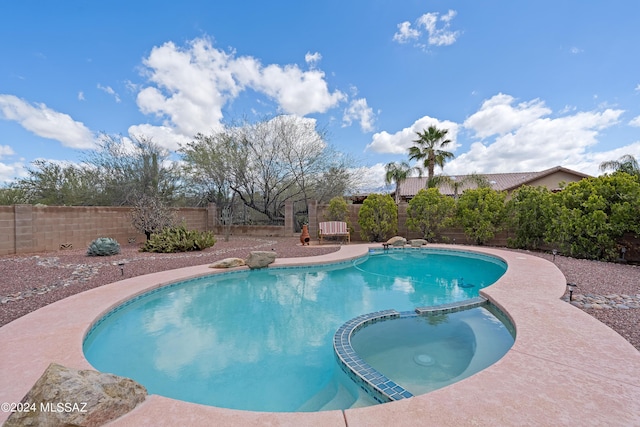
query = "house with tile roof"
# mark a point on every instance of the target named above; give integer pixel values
(549, 178)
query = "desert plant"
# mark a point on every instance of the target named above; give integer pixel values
(103, 246)
(150, 215)
(378, 217)
(179, 239)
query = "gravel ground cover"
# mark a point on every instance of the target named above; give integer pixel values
(609, 292)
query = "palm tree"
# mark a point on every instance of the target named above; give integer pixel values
(398, 173)
(429, 148)
(626, 163)
(459, 182)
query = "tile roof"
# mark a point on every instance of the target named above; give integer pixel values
(498, 181)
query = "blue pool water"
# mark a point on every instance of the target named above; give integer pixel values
(422, 354)
(262, 340)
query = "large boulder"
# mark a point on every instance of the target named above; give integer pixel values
(416, 243)
(69, 397)
(228, 263)
(260, 259)
(397, 241)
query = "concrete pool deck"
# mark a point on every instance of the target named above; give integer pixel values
(565, 367)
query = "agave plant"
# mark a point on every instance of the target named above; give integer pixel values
(103, 246)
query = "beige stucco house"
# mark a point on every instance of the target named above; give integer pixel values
(550, 178)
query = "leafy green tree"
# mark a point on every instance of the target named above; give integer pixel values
(430, 148)
(529, 215)
(59, 184)
(591, 215)
(428, 211)
(481, 213)
(378, 218)
(458, 183)
(397, 173)
(338, 210)
(129, 169)
(12, 195)
(117, 173)
(626, 163)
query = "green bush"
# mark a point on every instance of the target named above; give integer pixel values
(179, 239)
(103, 246)
(481, 213)
(428, 211)
(529, 212)
(338, 210)
(378, 218)
(590, 216)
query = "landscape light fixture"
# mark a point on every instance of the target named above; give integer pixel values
(571, 287)
(555, 252)
(121, 264)
(623, 251)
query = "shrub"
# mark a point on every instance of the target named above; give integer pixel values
(338, 210)
(428, 211)
(378, 217)
(179, 239)
(481, 213)
(529, 210)
(103, 246)
(592, 215)
(150, 215)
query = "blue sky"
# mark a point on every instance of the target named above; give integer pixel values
(521, 86)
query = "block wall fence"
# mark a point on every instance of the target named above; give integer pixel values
(36, 228)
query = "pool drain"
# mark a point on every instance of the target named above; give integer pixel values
(424, 360)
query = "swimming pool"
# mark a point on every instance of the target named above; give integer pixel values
(261, 340)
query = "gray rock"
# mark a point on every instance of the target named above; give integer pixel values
(68, 397)
(416, 243)
(397, 241)
(228, 263)
(260, 259)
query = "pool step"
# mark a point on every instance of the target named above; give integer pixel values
(342, 399)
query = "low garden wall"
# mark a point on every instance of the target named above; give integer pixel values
(29, 228)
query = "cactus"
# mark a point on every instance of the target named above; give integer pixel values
(179, 239)
(103, 246)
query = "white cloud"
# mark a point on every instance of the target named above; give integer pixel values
(498, 115)
(371, 178)
(359, 111)
(312, 58)
(526, 139)
(109, 90)
(405, 33)
(45, 122)
(6, 150)
(435, 35)
(164, 136)
(439, 36)
(191, 85)
(80, 96)
(298, 92)
(635, 121)
(9, 171)
(591, 161)
(399, 142)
